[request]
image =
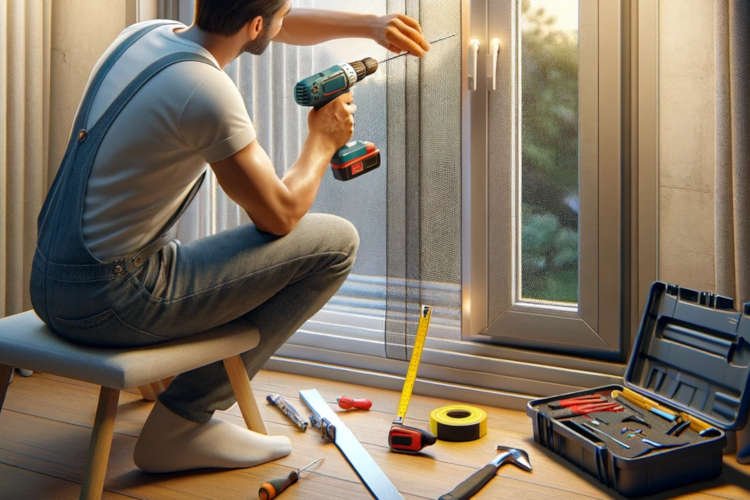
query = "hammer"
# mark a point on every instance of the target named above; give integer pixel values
(472, 484)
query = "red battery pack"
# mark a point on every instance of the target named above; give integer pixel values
(354, 159)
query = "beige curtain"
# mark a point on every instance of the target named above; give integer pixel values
(733, 150)
(733, 163)
(25, 33)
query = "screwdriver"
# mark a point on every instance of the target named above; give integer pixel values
(348, 403)
(287, 409)
(271, 489)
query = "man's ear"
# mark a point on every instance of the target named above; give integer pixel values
(254, 27)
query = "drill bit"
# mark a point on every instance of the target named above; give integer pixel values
(405, 53)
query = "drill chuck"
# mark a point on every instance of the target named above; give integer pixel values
(366, 66)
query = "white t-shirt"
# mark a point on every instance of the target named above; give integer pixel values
(188, 115)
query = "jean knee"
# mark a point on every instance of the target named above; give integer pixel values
(347, 239)
(350, 238)
(339, 234)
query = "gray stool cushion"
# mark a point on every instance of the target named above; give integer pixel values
(25, 341)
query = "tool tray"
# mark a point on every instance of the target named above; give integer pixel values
(690, 363)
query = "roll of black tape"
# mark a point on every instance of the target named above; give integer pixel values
(458, 423)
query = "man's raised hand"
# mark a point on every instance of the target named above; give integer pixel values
(401, 33)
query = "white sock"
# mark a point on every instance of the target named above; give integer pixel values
(170, 443)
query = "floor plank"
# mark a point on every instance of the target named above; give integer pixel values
(22, 483)
(45, 426)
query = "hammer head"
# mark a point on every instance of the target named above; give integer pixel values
(515, 456)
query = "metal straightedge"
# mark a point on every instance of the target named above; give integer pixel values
(333, 429)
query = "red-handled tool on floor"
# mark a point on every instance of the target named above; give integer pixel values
(348, 403)
(402, 438)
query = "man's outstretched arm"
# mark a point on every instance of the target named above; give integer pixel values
(396, 32)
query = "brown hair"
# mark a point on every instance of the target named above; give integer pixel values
(226, 17)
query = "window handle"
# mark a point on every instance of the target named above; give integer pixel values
(494, 53)
(473, 53)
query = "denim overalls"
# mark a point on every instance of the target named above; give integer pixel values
(63, 268)
(239, 278)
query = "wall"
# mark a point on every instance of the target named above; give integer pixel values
(81, 31)
(687, 107)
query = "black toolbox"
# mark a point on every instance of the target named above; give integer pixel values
(685, 385)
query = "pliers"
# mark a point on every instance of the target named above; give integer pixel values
(584, 409)
(577, 401)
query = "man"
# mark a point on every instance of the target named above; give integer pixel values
(157, 109)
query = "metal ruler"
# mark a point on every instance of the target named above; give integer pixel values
(334, 429)
(416, 356)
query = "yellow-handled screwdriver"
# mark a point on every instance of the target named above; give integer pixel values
(271, 489)
(702, 428)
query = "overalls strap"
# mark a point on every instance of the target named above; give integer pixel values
(104, 69)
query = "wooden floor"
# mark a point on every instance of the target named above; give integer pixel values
(45, 425)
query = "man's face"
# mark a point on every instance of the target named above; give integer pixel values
(270, 30)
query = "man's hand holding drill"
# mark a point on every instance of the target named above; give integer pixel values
(333, 124)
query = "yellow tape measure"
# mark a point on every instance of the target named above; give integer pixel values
(416, 355)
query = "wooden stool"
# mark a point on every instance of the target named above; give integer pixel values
(25, 341)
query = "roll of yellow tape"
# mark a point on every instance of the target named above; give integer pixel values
(458, 423)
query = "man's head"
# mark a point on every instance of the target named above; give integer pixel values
(261, 18)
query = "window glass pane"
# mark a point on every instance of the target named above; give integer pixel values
(548, 263)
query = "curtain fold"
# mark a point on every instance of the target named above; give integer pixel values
(733, 150)
(25, 41)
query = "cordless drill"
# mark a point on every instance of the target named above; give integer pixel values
(356, 157)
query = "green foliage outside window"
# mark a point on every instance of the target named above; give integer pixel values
(550, 159)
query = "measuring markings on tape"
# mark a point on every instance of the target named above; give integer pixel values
(416, 356)
(458, 422)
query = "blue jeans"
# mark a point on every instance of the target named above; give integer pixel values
(239, 276)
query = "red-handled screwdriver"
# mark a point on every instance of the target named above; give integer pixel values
(271, 489)
(358, 403)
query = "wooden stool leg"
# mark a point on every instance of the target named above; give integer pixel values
(6, 374)
(243, 392)
(101, 443)
(151, 391)
(147, 392)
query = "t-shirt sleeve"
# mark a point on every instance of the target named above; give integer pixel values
(214, 121)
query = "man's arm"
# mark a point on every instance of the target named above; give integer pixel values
(396, 32)
(276, 205)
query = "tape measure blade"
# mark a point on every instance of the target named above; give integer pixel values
(416, 356)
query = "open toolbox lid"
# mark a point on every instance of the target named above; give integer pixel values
(692, 352)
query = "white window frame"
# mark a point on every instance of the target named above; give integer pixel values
(491, 306)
